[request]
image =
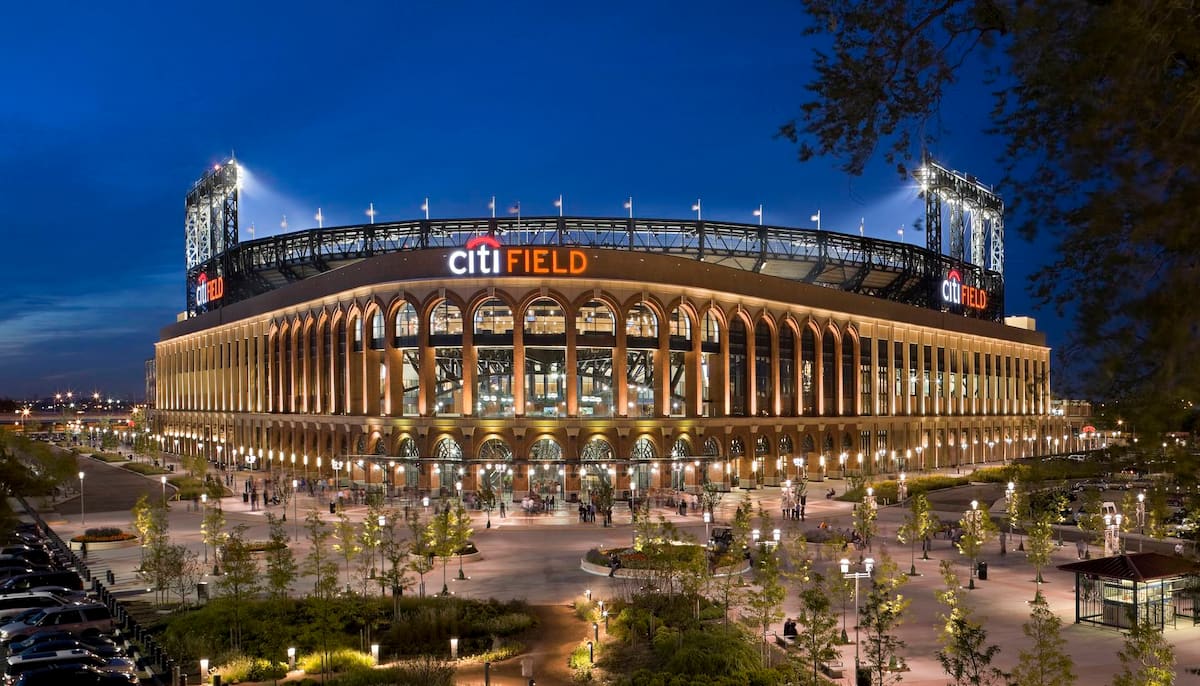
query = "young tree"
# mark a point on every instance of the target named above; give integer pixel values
(866, 522)
(966, 658)
(766, 604)
(919, 525)
(212, 529)
(819, 634)
(345, 533)
(1039, 543)
(978, 528)
(422, 549)
(1090, 520)
(1147, 659)
(369, 541)
(395, 552)
(881, 615)
(282, 569)
(320, 565)
(156, 564)
(1046, 662)
(142, 521)
(188, 571)
(460, 532)
(1071, 113)
(240, 581)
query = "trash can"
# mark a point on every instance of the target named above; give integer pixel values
(245, 497)
(202, 591)
(332, 507)
(982, 571)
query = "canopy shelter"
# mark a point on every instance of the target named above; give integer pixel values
(1121, 590)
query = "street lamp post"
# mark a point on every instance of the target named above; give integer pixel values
(973, 516)
(82, 517)
(1141, 518)
(295, 510)
(1112, 534)
(163, 480)
(869, 565)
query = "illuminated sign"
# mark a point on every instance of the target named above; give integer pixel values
(209, 291)
(485, 255)
(955, 292)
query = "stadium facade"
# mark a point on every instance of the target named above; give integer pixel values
(549, 353)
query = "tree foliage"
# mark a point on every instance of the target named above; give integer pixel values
(1046, 661)
(1147, 659)
(1097, 108)
(881, 615)
(282, 569)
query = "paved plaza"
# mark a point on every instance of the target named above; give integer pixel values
(537, 558)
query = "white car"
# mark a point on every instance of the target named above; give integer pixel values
(14, 604)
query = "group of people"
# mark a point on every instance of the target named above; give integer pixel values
(793, 508)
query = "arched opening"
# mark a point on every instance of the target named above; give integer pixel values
(493, 339)
(595, 338)
(641, 343)
(545, 338)
(738, 375)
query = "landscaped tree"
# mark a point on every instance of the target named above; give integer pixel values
(1039, 543)
(187, 571)
(966, 658)
(157, 564)
(1091, 520)
(321, 567)
(1071, 116)
(765, 604)
(369, 541)
(1147, 659)
(602, 497)
(142, 521)
(818, 631)
(282, 569)
(212, 529)
(395, 551)
(422, 549)
(345, 536)
(977, 529)
(880, 617)
(240, 581)
(460, 532)
(1046, 661)
(734, 554)
(865, 522)
(919, 525)
(443, 541)
(1157, 512)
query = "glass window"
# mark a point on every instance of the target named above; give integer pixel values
(764, 386)
(377, 331)
(545, 382)
(407, 326)
(641, 322)
(445, 320)
(493, 318)
(356, 332)
(545, 317)
(787, 371)
(640, 376)
(494, 382)
(595, 318)
(681, 329)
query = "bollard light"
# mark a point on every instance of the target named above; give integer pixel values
(454, 649)
(203, 670)
(291, 653)
(375, 653)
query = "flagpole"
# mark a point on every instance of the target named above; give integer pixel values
(759, 213)
(492, 206)
(426, 208)
(560, 204)
(817, 218)
(629, 206)
(697, 208)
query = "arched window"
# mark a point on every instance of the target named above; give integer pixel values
(764, 384)
(493, 318)
(785, 445)
(738, 376)
(377, 331)
(641, 322)
(446, 319)
(356, 333)
(407, 448)
(546, 449)
(493, 329)
(712, 447)
(545, 328)
(597, 450)
(643, 449)
(445, 335)
(737, 447)
(681, 448)
(594, 342)
(407, 327)
(495, 451)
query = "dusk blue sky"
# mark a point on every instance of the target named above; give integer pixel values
(111, 111)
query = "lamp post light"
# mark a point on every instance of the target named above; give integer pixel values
(291, 655)
(842, 464)
(902, 487)
(337, 472)
(869, 565)
(203, 670)
(163, 480)
(1112, 535)
(203, 525)
(295, 510)
(707, 525)
(973, 516)
(1141, 518)
(920, 462)
(82, 517)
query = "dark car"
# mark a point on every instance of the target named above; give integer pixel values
(24, 582)
(75, 674)
(99, 647)
(57, 635)
(27, 553)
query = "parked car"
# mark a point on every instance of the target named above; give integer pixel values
(58, 634)
(36, 555)
(24, 582)
(74, 674)
(101, 647)
(19, 664)
(16, 603)
(83, 619)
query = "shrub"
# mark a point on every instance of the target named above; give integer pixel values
(103, 535)
(580, 657)
(340, 660)
(425, 671)
(143, 468)
(585, 609)
(106, 457)
(251, 669)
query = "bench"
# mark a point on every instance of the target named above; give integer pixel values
(784, 641)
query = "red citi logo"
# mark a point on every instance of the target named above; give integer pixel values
(209, 291)
(955, 292)
(485, 255)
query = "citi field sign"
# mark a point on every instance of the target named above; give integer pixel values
(955, 292)
(485, 255)
(209, 291)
